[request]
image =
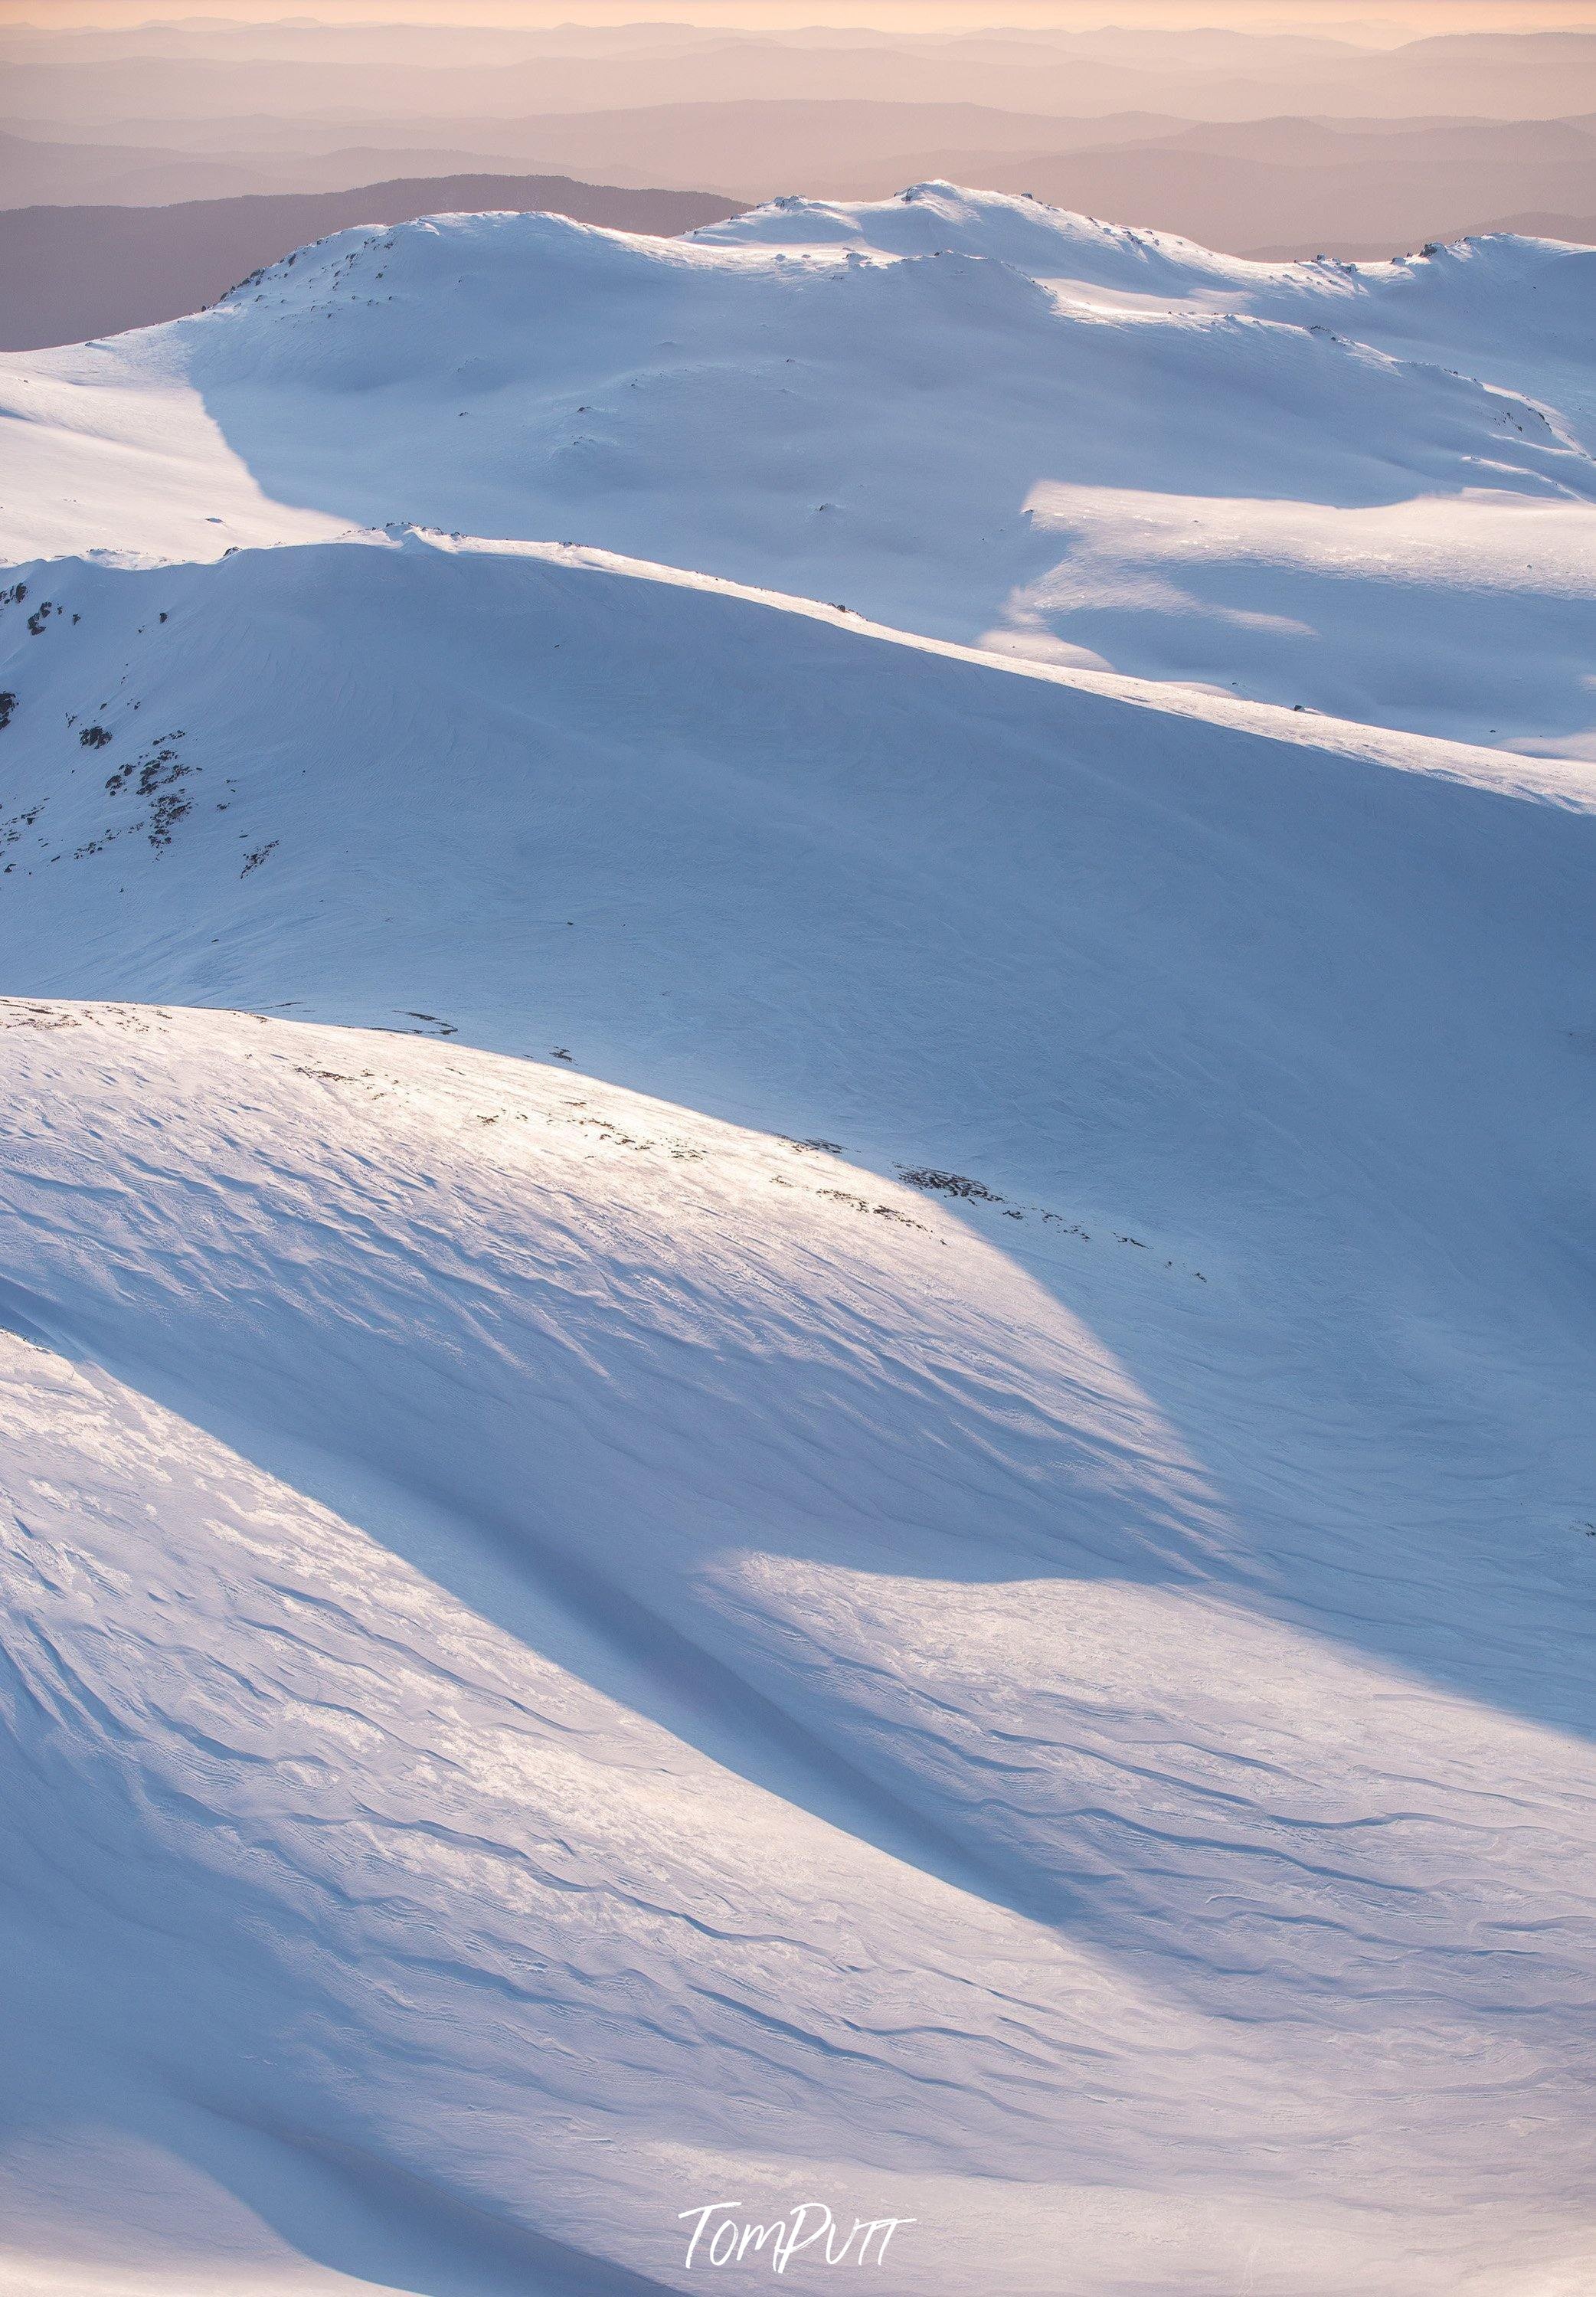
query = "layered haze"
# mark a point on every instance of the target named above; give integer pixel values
(1346, 139)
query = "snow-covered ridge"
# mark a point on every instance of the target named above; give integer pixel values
(957, 413)
(1048, 243)
(793, 1407)
(568, 808)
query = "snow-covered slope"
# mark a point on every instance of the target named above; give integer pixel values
(1517, 312)
(794, 1413)
(1000, 1645)
(642, 817)
(566, 1662)
(957, 413)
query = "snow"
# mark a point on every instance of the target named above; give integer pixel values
(796, 1409)
(1517, 310)
(481, 1761)
(910, 407)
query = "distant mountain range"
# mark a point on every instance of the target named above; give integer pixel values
(752, 150)
(309, 71)
(1283, 184)
(68, 273)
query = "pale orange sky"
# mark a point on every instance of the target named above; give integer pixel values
(1380, 24)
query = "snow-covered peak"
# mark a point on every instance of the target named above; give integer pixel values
(1519, 311)
(934, 218)
(961, 414)
(1060, 245)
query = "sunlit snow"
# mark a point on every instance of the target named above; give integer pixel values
(797, 1050)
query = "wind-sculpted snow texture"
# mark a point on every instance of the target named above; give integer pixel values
(795, 1414)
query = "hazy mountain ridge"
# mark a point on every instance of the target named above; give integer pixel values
(70, 272)
(1344, 187)
(1502, 75)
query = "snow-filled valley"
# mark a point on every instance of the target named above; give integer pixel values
(798, 1050)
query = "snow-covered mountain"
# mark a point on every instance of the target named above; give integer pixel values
(795, 1413)
(1367, 489)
